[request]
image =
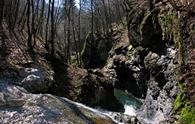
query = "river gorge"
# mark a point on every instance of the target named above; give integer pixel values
(140, 71)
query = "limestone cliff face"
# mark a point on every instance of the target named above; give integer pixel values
(162, 33)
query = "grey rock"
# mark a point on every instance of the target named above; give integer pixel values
(21, 107)
(161, 88)
(150, 61)
(36, 79)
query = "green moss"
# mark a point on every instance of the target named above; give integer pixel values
(179, 40)
(187, 114)
(144, 21)
(74, 61)
(191, 31)
(167, 23)
(88, 49)
(13, 65)
(178, 102)
(98, 120)
(183, 108)
(172, 31)
(84, 45)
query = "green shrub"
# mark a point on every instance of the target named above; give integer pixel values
(183, 108)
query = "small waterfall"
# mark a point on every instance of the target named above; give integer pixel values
(129, 110)
(97, 111)
(131, 104)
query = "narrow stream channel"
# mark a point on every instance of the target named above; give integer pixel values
(131, 104)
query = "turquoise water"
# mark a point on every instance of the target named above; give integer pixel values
(131, 104)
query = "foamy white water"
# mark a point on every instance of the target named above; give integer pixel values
(129, 110)
(130, 106)
(100, 112)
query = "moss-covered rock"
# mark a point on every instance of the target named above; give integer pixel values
(96, 51)
(172, 31)
(143, 25)
(183, 108)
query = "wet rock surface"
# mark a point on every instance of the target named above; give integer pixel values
(146, 66)
(19, 106)
(149, 76)
(126, 119)
(130, 72)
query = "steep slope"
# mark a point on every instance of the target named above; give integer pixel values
(22, 73)
(162, 43)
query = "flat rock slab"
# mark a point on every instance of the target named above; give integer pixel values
(19, 106)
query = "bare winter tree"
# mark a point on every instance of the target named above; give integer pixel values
(2, 3)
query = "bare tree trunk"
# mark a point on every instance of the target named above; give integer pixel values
(69, 32)
(10, 16)
(52, 28)
(33, 22)
(106, 17)
(75, 41)
(23, 15)
(41, 19)
(2, 3)
(80, 8)
(110, 17)
(92, 31)
(37, 9)
(16, 14)
(79, 33)
(23, 24)
(46, 32)
(30, 46)
(92, 17)
(65, 39)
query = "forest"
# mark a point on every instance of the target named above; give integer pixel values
(97, 61)
(62, 24)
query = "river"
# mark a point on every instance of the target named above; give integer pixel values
(131, 104)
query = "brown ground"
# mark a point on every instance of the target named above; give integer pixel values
(14, 49)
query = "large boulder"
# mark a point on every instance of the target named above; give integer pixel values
(36, 79)
(86, 86)
(19, 106)
(143, 25)
(96, 51)
(130, 71)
